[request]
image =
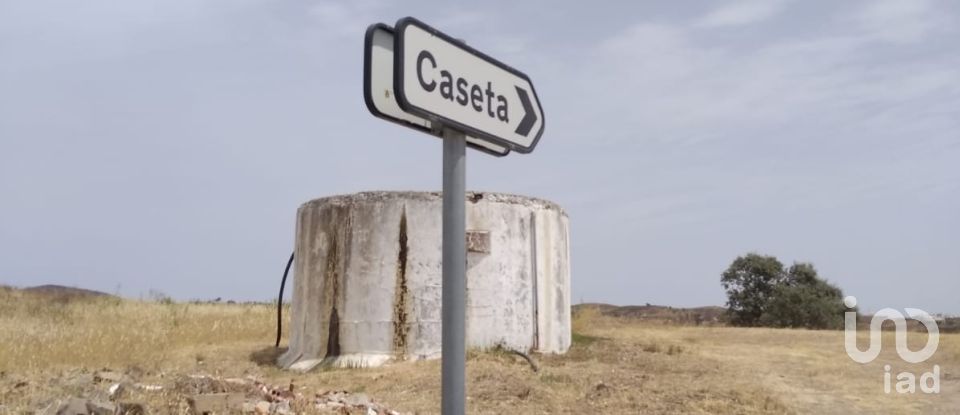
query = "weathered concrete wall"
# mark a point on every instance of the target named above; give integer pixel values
(367, 280)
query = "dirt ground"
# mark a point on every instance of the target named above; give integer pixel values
(51, 352)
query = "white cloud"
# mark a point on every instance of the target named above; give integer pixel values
(823, 95)
(345, 19)
(699, 90)
(900, 21)
(462, 19)
(741, 13)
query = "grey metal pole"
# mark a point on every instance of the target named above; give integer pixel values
(454, 274)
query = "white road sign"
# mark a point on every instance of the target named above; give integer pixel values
(378, 90)
(442, 79)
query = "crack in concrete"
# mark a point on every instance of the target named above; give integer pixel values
(333, 281)
(400, 327)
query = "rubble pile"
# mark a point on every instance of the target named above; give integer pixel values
(110, 393)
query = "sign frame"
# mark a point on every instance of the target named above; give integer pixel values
(376, 112)
(406, 105)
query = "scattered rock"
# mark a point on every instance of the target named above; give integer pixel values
(240, 382)
(360, 399)
(329, 406)
(49, 409)
(79, 381)
(210, 395)
(198, 384)
(73, 406)
(136, 372)
(116, 390)
(132, 408)
(334, 396)
(101, 408)
(220, 403)
(111, 377)
(149, 388)
(345, 402)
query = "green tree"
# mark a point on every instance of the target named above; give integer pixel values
(761, 293)
(804, 300)
(750, 281)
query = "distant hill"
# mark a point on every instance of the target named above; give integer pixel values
(64, 292)
(696, 315)
(713, 315)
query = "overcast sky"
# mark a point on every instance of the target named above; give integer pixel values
(167, 144)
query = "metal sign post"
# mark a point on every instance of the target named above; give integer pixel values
(421, 78)
(453, 371)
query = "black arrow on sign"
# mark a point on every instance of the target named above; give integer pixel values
(529, 116)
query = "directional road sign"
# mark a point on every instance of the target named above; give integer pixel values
(379, 94)
(444, 80)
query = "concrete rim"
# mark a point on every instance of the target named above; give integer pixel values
(472, 196)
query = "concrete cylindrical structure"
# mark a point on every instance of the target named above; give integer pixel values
(368, 277)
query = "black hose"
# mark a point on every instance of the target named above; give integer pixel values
(280, 299)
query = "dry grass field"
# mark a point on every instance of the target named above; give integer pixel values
(616, 366)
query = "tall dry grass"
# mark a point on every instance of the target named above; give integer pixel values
(585, 318)
(616, 365)
(950, 347)
(41, 331)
